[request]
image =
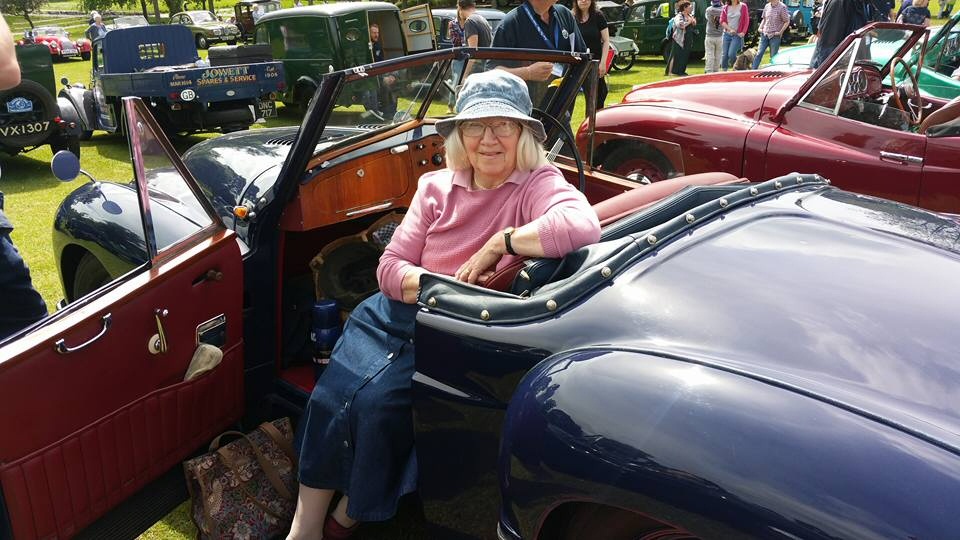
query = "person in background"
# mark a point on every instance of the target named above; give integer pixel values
(773, 23)
(683, 25)
(735, 20)
(383, 104)
(97, 29)
(538, 24)
(903, 5)
(883, 10)
(946, 6)
(917, 13)
(477, 31)
(498, 200)
(9, 68)
(456, 40)
(625, 10)
(713, 39)
(840, 18)
(596, 35)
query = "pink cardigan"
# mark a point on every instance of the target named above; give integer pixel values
(448, 221)
(744, 18)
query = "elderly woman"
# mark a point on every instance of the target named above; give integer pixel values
(500, 199)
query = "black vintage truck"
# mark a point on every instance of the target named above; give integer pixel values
(30, 115)
(160, 64)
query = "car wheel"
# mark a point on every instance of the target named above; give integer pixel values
(622, 62)
(596, 521)
(641, 164)
(86, 135)
(44, 110)
(696, 56)
(787, 37)
(85, 55)
(89, 276)
(201, 41)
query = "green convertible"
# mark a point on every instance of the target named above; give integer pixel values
(940, 61)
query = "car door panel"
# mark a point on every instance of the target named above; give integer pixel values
(853, 150)
(107, 419)
(95, 394)
(940, 189)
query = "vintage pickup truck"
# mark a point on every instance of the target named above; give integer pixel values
(160, 64)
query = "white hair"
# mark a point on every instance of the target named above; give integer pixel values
(530, 153)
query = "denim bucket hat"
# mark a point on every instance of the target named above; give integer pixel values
(490, 94)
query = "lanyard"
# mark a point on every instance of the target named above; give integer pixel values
(536, 24)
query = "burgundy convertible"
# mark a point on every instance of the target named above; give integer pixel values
(851, 120)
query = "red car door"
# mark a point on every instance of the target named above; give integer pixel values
(92, 399)
(854, 155)
(843, 123)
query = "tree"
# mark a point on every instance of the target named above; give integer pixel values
(22, 7)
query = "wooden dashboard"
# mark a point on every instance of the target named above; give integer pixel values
(372, 182)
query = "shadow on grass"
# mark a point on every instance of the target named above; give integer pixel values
(27, 172)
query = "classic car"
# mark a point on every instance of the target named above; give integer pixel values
(58, 41)
(246, 13)
(30, 113)
(443, 17)
(731, 360)
(845, 120)
(801, 13)
(126, 21)
(624, 49)
(313, 40)
(940, 59)
(207, 28)
(159, 63)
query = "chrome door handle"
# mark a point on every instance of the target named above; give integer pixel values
(903, 159)
(61, 344)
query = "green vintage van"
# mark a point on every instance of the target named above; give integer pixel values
(646, 25)
(314, 40)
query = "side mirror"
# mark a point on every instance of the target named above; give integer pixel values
(64, 81)
(65, 165)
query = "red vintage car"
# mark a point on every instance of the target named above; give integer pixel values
(851, 120)
(59, 42)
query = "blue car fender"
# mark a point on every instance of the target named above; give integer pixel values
(694, 447)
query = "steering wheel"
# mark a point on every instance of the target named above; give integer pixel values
(915, 111)
(570, 142)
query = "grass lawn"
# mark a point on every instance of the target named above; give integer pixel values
(33, 194)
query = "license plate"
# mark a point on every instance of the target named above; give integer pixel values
(267, 108)
(70, 51)
(24, 129)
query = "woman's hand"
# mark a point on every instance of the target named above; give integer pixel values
(479, 264)
(411, 285)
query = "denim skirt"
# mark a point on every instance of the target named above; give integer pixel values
(356, 434)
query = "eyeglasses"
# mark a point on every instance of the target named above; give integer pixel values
(500, 129)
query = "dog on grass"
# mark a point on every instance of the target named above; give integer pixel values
(744, 59)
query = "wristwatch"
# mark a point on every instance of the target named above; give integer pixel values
(506, 240)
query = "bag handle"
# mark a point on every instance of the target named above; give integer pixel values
(273, 476)
(285, 444)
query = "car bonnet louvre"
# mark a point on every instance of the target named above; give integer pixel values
(476, 304)
(769, 74)
(286, 140)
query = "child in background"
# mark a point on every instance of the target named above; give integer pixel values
(916, 13)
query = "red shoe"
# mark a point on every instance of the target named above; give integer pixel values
(333, 530)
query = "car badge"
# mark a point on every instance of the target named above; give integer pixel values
(188, 95)
(565, 34)
(19, 105)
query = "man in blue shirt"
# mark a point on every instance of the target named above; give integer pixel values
(538, 24)
(22, 304)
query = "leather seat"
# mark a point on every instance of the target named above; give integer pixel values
(620, 206)
(950, 111)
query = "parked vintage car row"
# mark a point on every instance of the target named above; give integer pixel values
(773, 358)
